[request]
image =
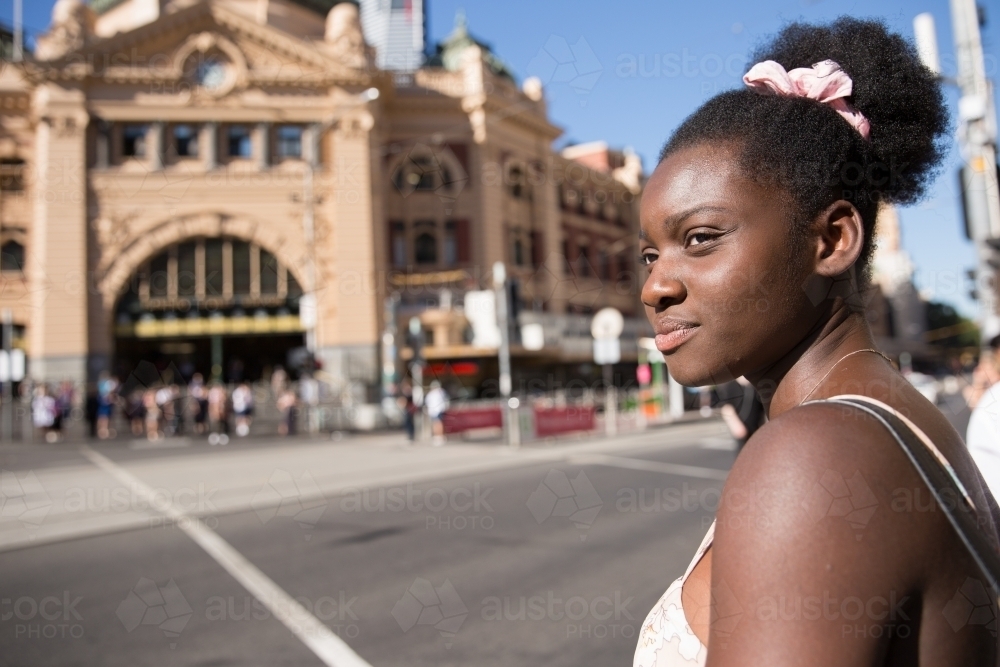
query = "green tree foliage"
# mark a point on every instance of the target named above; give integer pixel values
(946, 328)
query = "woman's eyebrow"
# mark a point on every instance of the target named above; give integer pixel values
(673, 221)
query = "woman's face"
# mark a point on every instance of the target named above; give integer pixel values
(724, 288)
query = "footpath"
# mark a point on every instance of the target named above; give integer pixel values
(76, 495)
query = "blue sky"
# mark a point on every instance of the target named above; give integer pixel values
(639, 67)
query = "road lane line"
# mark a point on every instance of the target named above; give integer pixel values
(327, 646)
(650, 466)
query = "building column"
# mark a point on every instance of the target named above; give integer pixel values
(103, 157)
(348, 308)
(209, 145)
(262, 145)
(310, 144)
(154, 144)
(57, 270)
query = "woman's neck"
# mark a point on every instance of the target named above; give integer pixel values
(790, 380)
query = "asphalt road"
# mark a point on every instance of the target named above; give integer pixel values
(552, 562)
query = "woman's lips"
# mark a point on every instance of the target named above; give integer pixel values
(671, 340)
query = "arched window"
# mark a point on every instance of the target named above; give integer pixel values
(518, 252)
(425, 248)
(427, 172)
(12, 257)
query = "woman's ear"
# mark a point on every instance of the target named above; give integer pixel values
(840, 233)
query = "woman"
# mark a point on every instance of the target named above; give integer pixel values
(757, 230)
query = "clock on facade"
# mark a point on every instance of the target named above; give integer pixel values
(211, 74)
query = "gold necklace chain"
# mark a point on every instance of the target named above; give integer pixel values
(823, 379)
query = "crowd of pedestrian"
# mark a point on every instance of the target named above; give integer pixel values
(204, 408)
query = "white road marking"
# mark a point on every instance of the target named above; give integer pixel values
(327, 646)
(723, 443)
(650, 466)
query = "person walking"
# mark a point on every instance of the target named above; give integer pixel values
(288, 407)
(218, 414)
(43, 413)
(436, 403)
(243, 408)
(982, 435)
(198, 403)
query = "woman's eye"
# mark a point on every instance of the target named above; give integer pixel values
(647, 258)
(700, 238)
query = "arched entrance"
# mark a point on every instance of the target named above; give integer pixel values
(221, 306)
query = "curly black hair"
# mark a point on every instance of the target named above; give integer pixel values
(807, 149)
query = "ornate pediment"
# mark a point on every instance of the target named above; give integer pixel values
(206, 48)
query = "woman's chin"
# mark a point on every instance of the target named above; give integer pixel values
(695, 374)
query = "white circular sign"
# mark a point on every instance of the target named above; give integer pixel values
(607, 323)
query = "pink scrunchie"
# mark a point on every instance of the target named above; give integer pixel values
(824, 82)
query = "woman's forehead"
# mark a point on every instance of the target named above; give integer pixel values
(702, 175)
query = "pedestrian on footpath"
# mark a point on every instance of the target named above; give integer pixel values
(288, 407)
(243, 408)
(982, 436)
(757, 235)
(43, 413)
(436, 404)
(218, 414)
(107, 388)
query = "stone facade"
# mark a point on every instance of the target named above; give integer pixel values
(140, 131)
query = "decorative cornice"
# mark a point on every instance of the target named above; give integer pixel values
(86, 62)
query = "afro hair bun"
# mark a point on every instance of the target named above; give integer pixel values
(900, 97)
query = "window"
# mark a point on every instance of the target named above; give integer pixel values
(519, 254)
(603, 265)
(213, 267)
(400, 4)
(11, 175)
(567, 268)
(537, 247)
(421, 173)
(268, 273)
(12, 257)
(450, 244)
(134, 141)
(518, 183)
(289, 141)
(187, 278)
(583, 261)
(185, 141)
(397, 243)
(425, 248)
(159, 276)
(241, 268)
(294, 289)
(239, 141)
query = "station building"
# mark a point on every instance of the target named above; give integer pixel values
(210, 185)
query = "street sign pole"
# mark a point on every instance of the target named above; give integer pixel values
(511, 428)
(606, 327)
(8, 382)
(610, 402)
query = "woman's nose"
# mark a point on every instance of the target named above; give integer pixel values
(662, 289)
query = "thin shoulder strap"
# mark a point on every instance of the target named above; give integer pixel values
(941, 480)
